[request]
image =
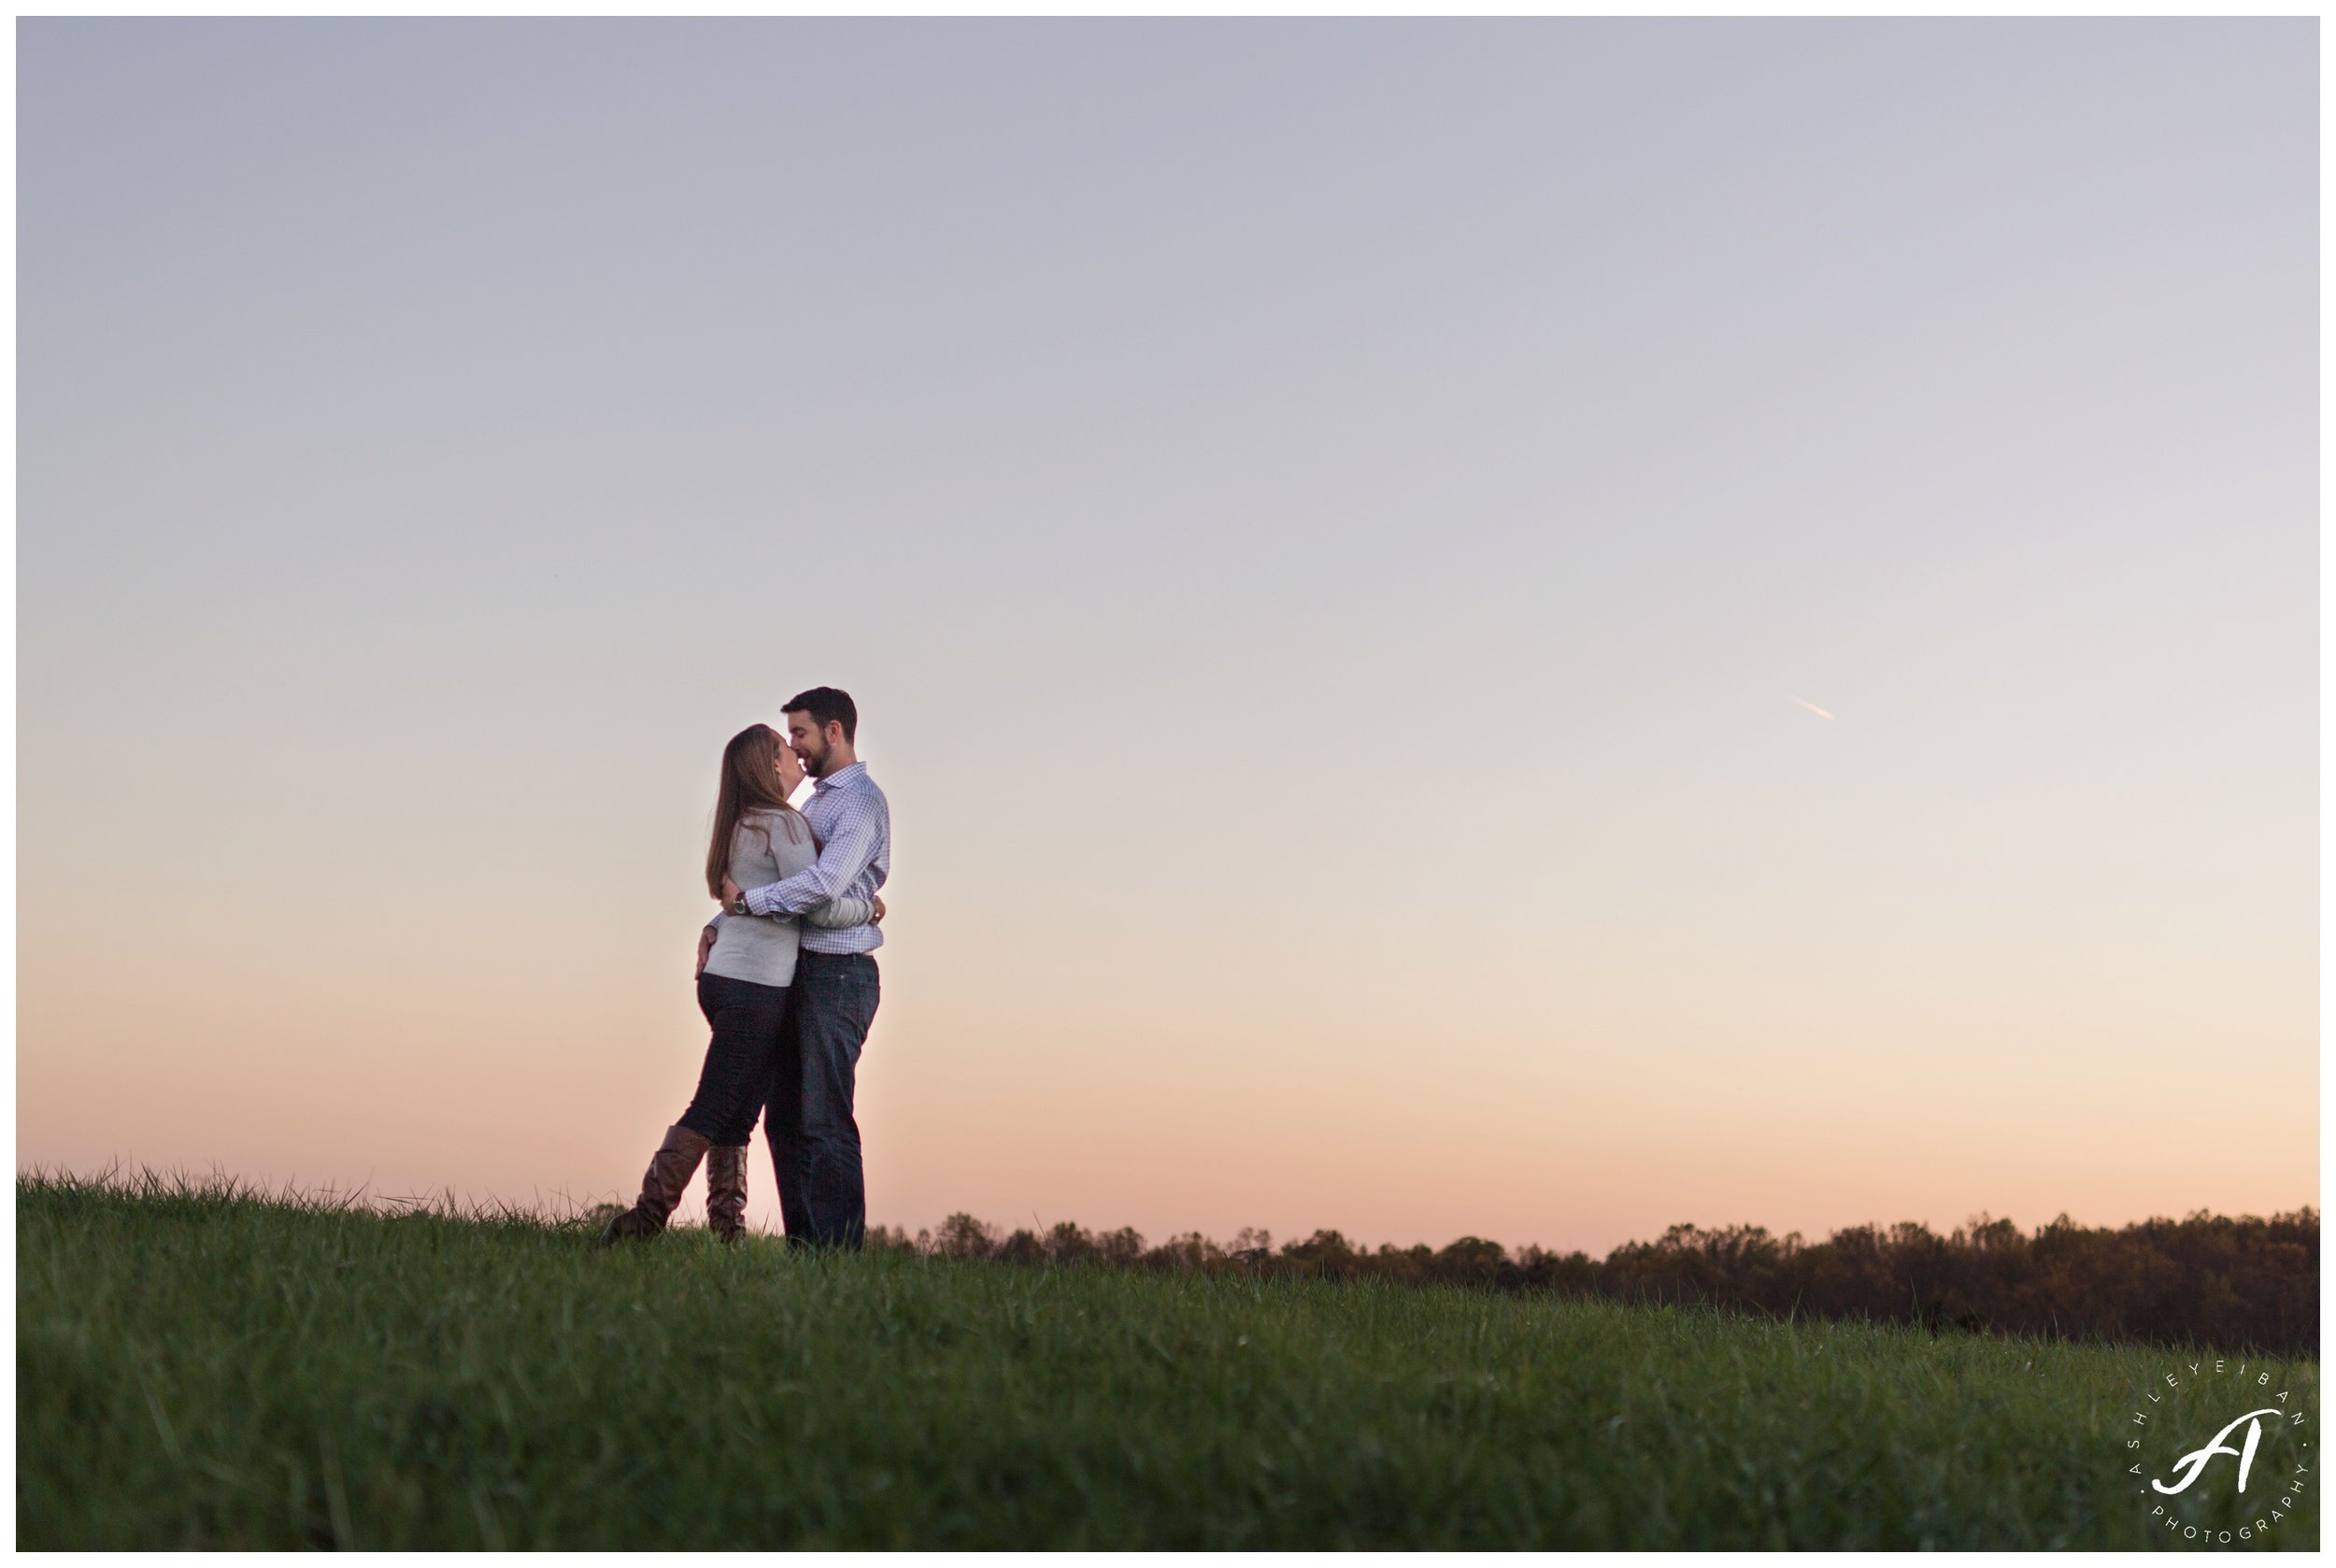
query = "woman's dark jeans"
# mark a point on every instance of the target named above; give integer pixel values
(737, 1077)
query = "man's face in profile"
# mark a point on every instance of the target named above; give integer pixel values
(809, 746)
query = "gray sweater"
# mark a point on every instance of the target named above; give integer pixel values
(769, 846)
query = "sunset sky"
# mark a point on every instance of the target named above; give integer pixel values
(1527, 629)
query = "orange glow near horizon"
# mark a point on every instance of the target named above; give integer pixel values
(1551, 1086)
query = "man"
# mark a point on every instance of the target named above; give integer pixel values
(815, 1142)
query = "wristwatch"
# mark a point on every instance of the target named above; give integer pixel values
(739, 907)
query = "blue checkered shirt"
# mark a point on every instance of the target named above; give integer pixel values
(853, 824)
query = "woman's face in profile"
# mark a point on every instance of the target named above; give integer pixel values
(788, 769)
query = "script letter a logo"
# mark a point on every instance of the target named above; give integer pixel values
(2190, 1466)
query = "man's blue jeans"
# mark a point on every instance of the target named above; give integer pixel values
(815, 1143)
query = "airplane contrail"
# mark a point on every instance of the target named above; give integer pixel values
(1811, 707)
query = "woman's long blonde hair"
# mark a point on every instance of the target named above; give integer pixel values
(750, 783)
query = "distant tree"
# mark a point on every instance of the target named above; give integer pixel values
(962, 1235)
(1189, 1253)
(1326, 1253)
(1068, 1242)
(1022, 1246)
(1471, 1260)
(1120, 1247)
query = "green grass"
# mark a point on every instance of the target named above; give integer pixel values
(201, 1368)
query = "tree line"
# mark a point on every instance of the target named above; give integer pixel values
(2207, 1280)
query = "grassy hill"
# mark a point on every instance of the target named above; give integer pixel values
(201, 1367)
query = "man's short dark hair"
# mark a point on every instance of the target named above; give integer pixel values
(827, 706)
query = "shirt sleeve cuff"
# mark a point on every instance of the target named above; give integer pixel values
(758, 900)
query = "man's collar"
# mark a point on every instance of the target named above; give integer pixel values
(841, 776)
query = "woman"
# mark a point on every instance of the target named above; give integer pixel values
(758, 839)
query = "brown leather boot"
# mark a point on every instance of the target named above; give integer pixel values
(669, 1171)
(726, 1190)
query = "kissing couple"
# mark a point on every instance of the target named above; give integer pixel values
(786, 979)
